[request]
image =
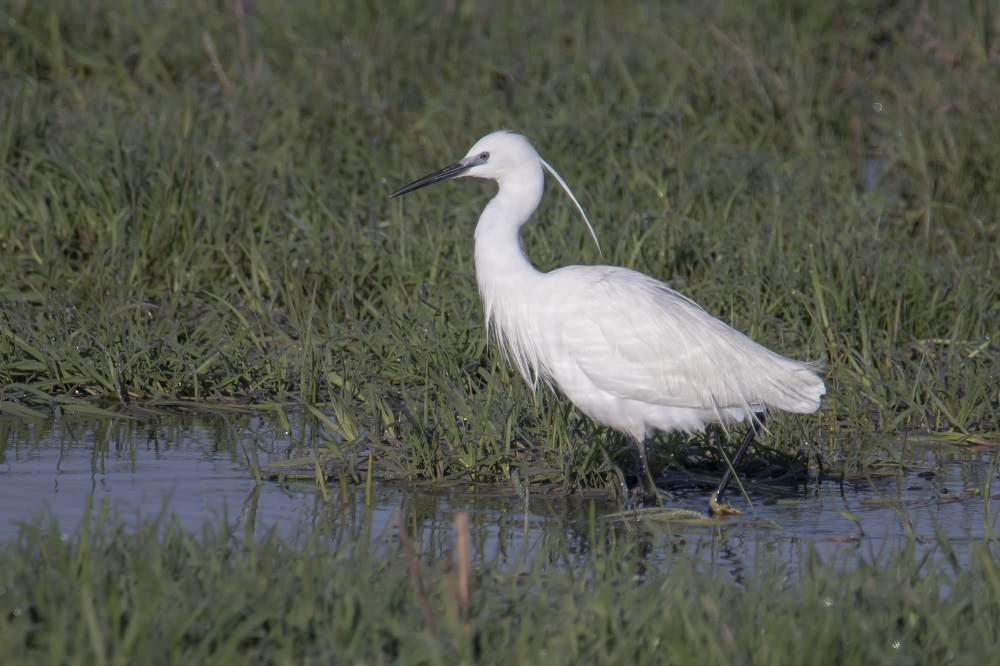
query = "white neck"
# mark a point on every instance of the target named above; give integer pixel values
(504, 273)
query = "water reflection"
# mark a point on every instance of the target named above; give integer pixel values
(196, 469)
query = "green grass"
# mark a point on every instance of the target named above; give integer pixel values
(155, 593)
(192, 209)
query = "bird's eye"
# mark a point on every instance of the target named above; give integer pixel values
(484, 156)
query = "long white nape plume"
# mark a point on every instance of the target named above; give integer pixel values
(562, 182)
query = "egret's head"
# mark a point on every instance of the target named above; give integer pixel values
(495, 157)
(500, 156)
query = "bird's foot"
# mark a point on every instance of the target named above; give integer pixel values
(646, 498)
(717, 510)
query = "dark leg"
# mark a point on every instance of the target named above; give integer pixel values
(649, 494)
(756, 423)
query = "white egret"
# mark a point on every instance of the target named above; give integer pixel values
(630, 352)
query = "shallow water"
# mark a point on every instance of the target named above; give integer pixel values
(195, 468)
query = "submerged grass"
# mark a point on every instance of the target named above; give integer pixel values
(192, 209)
(156, 593)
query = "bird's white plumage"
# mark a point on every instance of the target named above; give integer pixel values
(627, 350)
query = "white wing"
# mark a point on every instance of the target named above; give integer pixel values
(635, 338)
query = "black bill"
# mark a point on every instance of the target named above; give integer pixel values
(453, 171)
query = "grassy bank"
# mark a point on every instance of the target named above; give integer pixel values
(192, 208)
(156, 594)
